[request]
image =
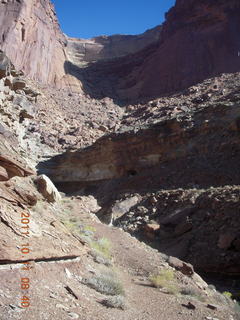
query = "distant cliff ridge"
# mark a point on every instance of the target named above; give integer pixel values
(82, 51)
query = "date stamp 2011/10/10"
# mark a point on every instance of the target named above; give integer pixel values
(25, 250)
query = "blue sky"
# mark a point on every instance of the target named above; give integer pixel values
(89, 18)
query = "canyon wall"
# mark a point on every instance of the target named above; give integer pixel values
(31, 38)
(199, 40)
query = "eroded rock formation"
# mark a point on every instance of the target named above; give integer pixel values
(204, 143)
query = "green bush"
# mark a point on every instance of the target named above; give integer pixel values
(227, 294)
(89, 228)
(165, 279)
(161, 279)
(102, 246)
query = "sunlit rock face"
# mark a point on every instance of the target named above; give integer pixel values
(31, 38)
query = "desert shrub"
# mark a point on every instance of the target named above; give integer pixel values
(172, 288)
(189, 291)
(165, 279)
(102, 246)
(107, 284)
(101, 259)
(70, 224)
(74, 226)
(89, 228)
(221, 298)
(114, 302)
(227, 294)
(162, 278)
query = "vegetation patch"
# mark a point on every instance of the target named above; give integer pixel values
(165, 279)
(101, 259)
(227, 294)
(102, 246)
(106, 283)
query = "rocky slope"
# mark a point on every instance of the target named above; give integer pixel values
(185, 141)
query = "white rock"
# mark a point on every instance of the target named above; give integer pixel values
(73, 315)
(68, 273)
(47, 188)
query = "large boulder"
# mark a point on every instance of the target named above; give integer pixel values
(47, 189)
(122, 207)
(183, 267)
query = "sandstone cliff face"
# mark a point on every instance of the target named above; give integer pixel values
(31, 38)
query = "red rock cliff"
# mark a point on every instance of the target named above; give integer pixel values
(31, 38)
(200, 39)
